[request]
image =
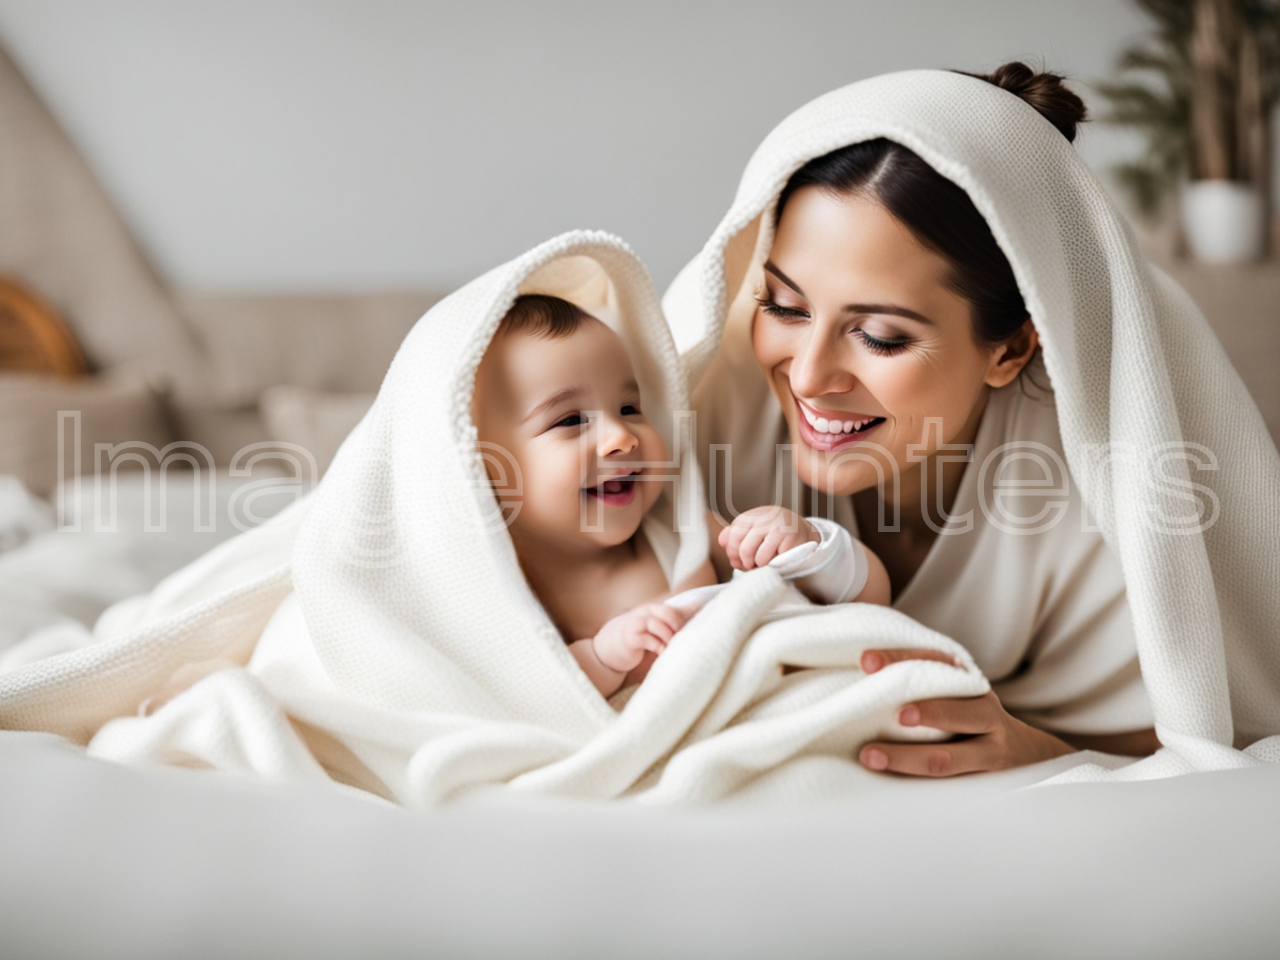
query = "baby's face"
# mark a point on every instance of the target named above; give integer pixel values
(568, 412)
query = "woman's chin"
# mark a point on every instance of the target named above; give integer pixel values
(843, 471)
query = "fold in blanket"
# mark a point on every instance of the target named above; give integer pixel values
(382, 635)
(1138, 377)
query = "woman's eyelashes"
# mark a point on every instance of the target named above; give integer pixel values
(880, 345)
(775, 309)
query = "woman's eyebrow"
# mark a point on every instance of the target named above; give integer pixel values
(884, 308)
(863, 308)
(772, 268)
(560, 396)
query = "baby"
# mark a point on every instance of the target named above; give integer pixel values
(557, 391)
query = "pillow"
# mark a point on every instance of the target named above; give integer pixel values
(313, 419)
(109, 409)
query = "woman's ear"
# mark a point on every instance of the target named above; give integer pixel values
(1009, 358)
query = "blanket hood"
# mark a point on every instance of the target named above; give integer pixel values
(1134, 365)
(406, 532)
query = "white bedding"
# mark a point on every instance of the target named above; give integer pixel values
(101, 860)
(61, 580)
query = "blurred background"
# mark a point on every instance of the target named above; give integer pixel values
(348, 145)
(230, 212)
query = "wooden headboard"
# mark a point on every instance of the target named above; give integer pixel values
(33, 338)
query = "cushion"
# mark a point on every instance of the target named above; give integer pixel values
(109, 409)
(316, 420)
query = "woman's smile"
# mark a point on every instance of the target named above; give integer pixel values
(825, 430)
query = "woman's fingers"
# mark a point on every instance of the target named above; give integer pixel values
(875, 660)
(931, 759)
(968, 715)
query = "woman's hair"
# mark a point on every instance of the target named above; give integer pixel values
(939, 213)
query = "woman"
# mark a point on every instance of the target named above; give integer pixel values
(858, 275)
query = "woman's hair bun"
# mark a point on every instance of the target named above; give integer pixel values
(1046, 92)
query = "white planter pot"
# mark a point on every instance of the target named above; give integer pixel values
(1223, 221)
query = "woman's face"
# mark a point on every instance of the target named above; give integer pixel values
(864, 343)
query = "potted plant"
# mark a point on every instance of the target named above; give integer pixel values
(1202, 88)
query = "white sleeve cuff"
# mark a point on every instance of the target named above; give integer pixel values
(833, 570)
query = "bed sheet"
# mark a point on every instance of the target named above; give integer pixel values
(107, 861)
(63, 578)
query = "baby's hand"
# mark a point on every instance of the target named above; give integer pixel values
(622, 642)
(759, 535)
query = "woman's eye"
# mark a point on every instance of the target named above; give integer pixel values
(630, 410)
(877, 345)
(572, 420)
(782, 313)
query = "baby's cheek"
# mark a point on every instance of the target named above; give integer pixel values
(653, 450)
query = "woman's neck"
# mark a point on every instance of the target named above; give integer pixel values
(922, 503)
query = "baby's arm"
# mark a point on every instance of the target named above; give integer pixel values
(757, 536)
(622, 642)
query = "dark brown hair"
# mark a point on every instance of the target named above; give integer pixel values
(939, 213)
(543, 316)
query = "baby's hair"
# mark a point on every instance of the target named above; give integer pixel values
(543, 316)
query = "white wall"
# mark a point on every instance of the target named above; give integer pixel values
(349, 144)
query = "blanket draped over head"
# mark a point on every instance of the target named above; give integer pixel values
(381, 633)
(1144, 391)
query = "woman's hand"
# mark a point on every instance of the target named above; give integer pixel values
(991, 738)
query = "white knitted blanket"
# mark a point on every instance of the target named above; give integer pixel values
(381, 634)
(1144, 391)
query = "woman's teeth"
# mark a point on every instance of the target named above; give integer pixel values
(823, 425)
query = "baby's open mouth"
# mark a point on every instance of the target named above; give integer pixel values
(615, 491)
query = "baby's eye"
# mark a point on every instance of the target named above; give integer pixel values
(631, 410)
(572, 420)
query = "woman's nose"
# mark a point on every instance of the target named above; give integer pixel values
(615, 437)
(817, 369)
